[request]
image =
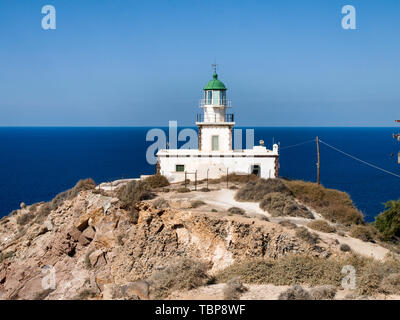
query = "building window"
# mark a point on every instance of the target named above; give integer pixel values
(180, 168)
(208, 97)
(222, 101)
(215, 143)
(215, 97)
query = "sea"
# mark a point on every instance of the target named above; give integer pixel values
(38, 163)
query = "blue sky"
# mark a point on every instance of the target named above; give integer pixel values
(142, 63)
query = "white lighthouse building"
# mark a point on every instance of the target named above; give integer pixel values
(215, 156)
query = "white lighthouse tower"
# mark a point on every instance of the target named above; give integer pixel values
(215, 156)
(215, 125)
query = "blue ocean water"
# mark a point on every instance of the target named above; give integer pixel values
(38, 163)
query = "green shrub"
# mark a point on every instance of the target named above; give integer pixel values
(156, 181)
(306, 235)
(205, 190)
(182, 274)
(388, 222)
(183, 190)
(214, 210)
(256, 190)
(280, 204)
(321, 225)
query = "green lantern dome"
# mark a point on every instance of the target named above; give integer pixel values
(215, 84)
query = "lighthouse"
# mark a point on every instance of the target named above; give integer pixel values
(215, 124)
(215, 156)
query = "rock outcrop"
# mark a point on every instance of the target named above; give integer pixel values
(89, 248)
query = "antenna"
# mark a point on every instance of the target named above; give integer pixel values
(214, 66)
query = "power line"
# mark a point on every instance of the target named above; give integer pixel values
(358, 159)
(298, 144)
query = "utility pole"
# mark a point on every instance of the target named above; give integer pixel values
(318, 163)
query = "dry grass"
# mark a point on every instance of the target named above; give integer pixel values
(321, 225)
(286, 270)
(256, 190)
(133, 192)
(182, 274)
(160, 203)
(280, 204)
(236, 210)
(288, 224)
(323, 292)
(391, 284)
(233, 289)
(295, 293)
(307, 270)
(156, 181)
(365, 233)
(24, 219)
(42, 213)
(82, 185)
(239, 178)
(335, 206)
(345, 247)
(306, 235)
(197, 203)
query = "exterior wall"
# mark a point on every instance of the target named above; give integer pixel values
(214, 114)
(225, 138)
(217, 166)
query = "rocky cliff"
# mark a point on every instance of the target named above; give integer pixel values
(88, 246)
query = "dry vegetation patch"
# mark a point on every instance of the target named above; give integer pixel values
(197, 203)
(256, 190)
(132, 193)
(281, 204)
(307, 236)
(295, 293)
(156, 181)
(236, 210)
(182, 274)
(365, 233)
(334, 205)
(288, 224)
(321, 225)
(373, 277)
(233, 289)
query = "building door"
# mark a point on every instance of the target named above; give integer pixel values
(256, 170)
(215, 143)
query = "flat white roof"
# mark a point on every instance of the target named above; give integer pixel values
(256, 151)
